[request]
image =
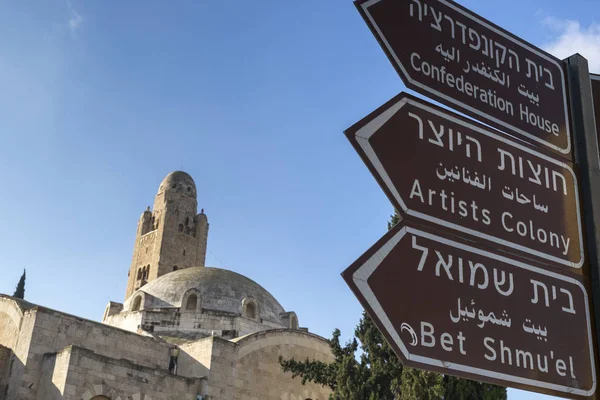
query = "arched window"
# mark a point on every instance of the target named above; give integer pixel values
(251, 310)
(175, 267)
(139, 274)
(137, 303)
(192, 302)
(180, 228)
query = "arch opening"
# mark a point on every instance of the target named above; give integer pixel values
(192, 302)
(137, 303)
(251, 310)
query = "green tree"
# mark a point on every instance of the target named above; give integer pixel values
(20, 290)
(377, 374)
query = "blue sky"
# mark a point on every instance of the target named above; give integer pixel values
(100, 100)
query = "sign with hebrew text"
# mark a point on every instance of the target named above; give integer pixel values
(446, 306)
(441, 168)
(458, 58)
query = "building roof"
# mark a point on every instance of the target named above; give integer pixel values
(218, 289)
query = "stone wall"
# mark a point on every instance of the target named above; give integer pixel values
(19, 378)
(194, 358)
(9, 332)
(53, 375)
(5, 353)
(143, 252)
(112, 308)
(259, 375)
(47, 331)
(173, 322)
(82, 374)
(248, 368)
(130, 321)
(245, 326)
(222, 370)
(10, 319)
(4, 359)
(56, 330)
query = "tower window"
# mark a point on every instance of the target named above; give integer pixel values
(192, 302)
(180, 227)
(184, 252)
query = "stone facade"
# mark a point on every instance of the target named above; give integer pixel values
(76, 373)
(194, 333)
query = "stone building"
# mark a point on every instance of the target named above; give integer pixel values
(184, 331)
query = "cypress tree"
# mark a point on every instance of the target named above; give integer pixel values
(378, 374)
(20, 290)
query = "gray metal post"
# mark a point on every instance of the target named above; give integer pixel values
(585, 144)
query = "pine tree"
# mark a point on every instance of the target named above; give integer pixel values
(20, 290)
(378, 374)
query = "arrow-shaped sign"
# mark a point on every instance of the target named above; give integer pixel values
(455, 56)
(438, 167)
(446, 306)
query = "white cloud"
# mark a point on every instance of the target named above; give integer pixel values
(75, 19)
(573, 38)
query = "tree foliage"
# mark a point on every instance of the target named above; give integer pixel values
(20, 290)
(375, 373)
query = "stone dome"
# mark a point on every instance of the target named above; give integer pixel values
(218, 289)
(178, 181)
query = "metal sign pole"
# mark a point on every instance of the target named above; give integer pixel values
(587, 157)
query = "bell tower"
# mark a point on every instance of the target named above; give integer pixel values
(170, 237)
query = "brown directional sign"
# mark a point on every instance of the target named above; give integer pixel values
(596, 96)
(445, 51)
(449, 307)
(438, 167)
